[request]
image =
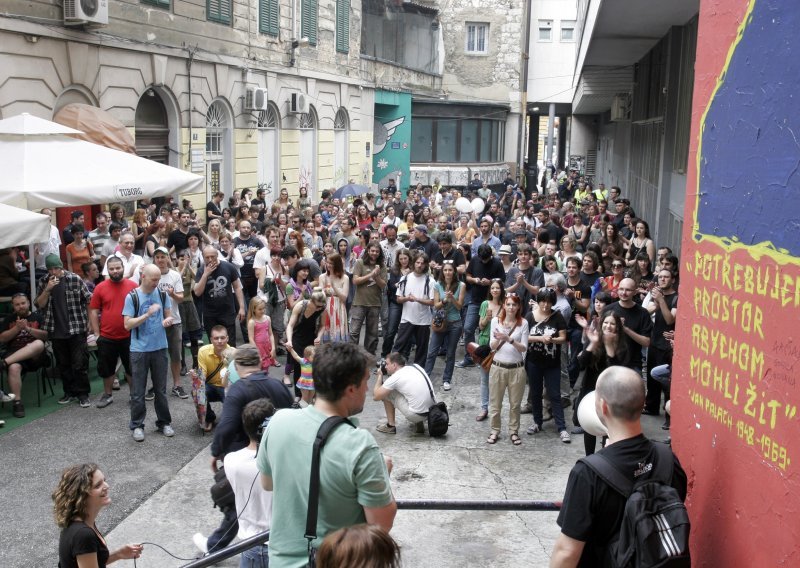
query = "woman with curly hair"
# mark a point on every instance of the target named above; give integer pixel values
(81, 493)
(613, 247)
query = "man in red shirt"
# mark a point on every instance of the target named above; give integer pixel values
(113, 340)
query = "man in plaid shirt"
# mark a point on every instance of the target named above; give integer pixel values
(63, 298)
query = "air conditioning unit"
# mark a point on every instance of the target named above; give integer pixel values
(255, 98)
(298, 104)
(621, 108)
(79, 12)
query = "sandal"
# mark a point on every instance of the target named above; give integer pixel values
(515, 439)
(492, 439)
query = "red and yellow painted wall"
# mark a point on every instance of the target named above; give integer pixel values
(736, 422)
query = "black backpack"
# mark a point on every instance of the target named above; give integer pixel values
(438, 416)
(655, 525)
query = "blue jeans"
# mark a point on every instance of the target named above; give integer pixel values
(575, 338)
(538, 379)
(484, 389)
(395, 313)
(470, 325)
(156, 362)
(450, 339)
(256, 557)
(225, 532)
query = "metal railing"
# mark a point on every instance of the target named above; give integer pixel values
(404, 504)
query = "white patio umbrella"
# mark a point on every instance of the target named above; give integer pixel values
(43, 167)
(19, 227)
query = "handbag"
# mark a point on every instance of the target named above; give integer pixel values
(438, 417)
(439, 323)
(313, 486)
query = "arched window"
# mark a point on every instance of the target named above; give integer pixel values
(269, 152)
(307, 123)
(218, 149)
(341, 143)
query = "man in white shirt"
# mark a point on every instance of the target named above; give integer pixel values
(241, 470)
(408, 389)
(171, 284)
(131, 263)
(415, 294)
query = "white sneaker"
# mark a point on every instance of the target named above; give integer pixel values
(7, 397)
(564, 435)
(138, 434)
(446, 386)
(168, 431)
(200, 542)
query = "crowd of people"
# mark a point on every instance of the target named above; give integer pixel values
(560, 285)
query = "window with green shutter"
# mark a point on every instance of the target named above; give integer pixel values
(269, 17)
(308, 21)
(219, 11)
(159, 3)
(342, 26)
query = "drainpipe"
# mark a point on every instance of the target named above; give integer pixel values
(189, 72)
(523, 119)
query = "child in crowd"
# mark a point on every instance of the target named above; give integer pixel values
(306, 381)
(259, 329)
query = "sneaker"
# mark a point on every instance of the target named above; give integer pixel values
(167, 430)
(187, 343)
(18, 409)
(386, 429)
(564, 435)
(446, 386)
(7, 397)
(526, 408)
(533, 429)
(84, 402)
(464, 364)
(565, 402)
(104, 400)
(200, 342)
(138, 434)
(200, 542)
(577, 431)
(419, 428)
(66, 399)
(179, 392)
(184, 370)
(115, 385)
(151, 394)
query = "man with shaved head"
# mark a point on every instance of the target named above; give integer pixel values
(636, 323)
(592, 510)
(146, 314)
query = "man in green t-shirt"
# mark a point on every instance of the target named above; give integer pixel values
(353, 474)
(369, 278)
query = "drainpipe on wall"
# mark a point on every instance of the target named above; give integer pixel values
(523, 118)
(191, 107)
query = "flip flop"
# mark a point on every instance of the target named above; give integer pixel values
(515, 439)
(492, 439)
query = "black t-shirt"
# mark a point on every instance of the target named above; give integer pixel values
(660, 326)
(213, 208)
(582, 291)
(533, 275)
(218, 298)
(58, 299)
(245, 247)
(638, 319)
(590, 279)
(592, 511)
(455, 255)
(178, 239)
(479, 269)
(545, 355)
(23, 338)
(77, 539)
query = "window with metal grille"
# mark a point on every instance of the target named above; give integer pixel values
(269, 17)
(219, 11)
(343, 26)
(308, 20)
(477, 39)
(215, 128)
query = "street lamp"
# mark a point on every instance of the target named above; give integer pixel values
(302, 42)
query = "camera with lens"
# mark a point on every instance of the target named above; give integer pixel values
(383, 368)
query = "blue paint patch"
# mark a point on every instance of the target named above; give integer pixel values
(749, 182)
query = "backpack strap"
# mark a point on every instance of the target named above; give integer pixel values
(609, 473)
(313, 487)
(427, 380)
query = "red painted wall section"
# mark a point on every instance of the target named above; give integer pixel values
(736, 402)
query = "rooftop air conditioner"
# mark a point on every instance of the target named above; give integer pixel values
(621, 108)
(255, 99)
(79, 12)
(298, 104)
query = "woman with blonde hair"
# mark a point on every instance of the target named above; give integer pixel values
(139, 230)
(81, 494)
